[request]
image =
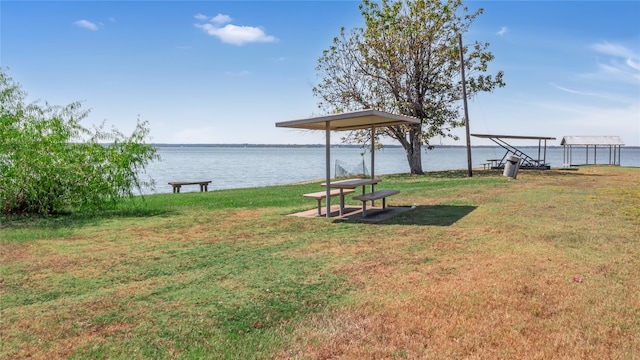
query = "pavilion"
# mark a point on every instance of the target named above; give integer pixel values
(614, 143)
(355, 120)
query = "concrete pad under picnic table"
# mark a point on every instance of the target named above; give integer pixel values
(354, 213)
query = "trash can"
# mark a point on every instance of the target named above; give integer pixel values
(511, 166)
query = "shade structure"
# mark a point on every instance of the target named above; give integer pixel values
(614, 143)
(592, 140)
(354, 120)
(527, 161)
(362, 119)
(522, 137)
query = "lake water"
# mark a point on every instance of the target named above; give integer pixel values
(240, 167)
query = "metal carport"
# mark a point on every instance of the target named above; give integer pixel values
(614, 143)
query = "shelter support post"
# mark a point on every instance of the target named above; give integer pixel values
(373, 152)
(587, 154)
(328, 166)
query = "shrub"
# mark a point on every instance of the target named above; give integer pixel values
(50, 163)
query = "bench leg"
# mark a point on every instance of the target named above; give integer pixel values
(176, 189)
(364, 206)
(373, 189)
(319, 207)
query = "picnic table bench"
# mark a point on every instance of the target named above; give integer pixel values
(351, 184)
(375, 195)
(323, 194)
(491, 164)
(178, 184)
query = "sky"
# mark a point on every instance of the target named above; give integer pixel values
(224, 72)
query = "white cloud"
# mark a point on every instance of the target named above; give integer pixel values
(622, 64)
(237, 35)
(503, 30)
(614, 97)
(86, 25)
(201, 16)
(221, 19)
(615, 50)
(571, 91)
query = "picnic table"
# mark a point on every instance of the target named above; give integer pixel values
(493, 163)
(351, 184)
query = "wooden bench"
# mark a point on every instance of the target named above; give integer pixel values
(178, 184)
(323, 194)
(486, 165)
(380, 194)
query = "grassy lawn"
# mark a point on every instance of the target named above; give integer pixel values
(482, 268)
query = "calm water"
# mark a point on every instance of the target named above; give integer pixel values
(239, 167)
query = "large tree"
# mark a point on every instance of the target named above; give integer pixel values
(406, 60)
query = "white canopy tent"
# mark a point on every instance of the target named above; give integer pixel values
(361, 119)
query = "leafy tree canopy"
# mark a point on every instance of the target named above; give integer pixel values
(406, 60)
(49, 163)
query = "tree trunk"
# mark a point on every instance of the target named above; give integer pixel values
(411, 144)
(414, 156)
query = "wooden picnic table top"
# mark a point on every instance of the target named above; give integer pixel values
(352, 183)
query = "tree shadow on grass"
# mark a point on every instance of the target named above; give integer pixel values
(430, 215)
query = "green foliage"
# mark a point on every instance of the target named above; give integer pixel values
(49, 163)
(406, 60)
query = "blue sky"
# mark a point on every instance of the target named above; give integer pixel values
(227, 71)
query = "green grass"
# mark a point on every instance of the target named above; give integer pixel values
(227, 274)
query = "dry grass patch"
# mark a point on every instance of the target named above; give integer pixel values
(483, 268)
(499, 283)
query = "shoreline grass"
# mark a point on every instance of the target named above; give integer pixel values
(483, 267)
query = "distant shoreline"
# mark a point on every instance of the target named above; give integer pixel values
(344, 146)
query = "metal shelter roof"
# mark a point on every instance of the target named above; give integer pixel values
(489, 136)
(361, 119)
(528, 161)
(591, 140)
